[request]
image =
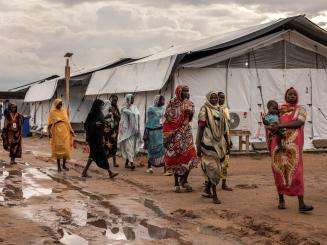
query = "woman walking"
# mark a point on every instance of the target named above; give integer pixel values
(94, 127)
(112, 120)
(211, 142)
(12, 133)
(287, 162)
(153, 137)
(180, 155)
(225, 164)
(60, 133)
(129, 131)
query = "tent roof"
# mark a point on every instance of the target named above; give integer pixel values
(134, 76)
(45, 89)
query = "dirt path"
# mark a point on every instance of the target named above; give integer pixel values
(40, 206)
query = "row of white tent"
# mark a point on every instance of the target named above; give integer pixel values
(251, 66)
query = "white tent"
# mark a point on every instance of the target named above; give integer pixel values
(41, 94)
(251, 66)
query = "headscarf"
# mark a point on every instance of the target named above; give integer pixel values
(224, 107)
(128, 100)
(58, 115)
(130, 120)
(95, 113)
(154, 114)
(217, 133)
(157, 100)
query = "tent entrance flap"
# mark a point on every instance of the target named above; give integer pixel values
(41, 91)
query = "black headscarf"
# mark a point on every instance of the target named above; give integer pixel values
(95, 115)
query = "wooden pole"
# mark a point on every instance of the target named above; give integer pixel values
(67, 78)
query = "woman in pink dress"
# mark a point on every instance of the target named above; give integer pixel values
(287, 162)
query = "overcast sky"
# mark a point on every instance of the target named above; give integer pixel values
(35, 34)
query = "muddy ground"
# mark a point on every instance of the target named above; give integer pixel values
(40, 206)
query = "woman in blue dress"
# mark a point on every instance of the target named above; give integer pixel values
(153, 137)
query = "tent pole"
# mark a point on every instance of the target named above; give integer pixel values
(259, 82)
(145, 106)
(226, 82)
(285, 65)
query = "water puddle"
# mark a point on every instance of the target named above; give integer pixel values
(17, 184)
(69, 238)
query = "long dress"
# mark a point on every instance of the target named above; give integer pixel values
(94, 127)
(153, 136)
(12, 134)
(180, 155)
(61, 132)
(225, 164)
(129, 131)
(212, 144)
(111, 131)
(287, 164)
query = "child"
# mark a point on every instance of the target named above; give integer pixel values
(271, 119)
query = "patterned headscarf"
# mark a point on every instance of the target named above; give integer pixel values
(178, 91)
(207, 102)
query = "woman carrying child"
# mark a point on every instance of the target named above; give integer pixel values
(287, 161)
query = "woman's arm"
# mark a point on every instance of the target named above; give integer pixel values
(291, 125)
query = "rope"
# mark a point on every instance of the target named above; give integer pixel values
(259, 82)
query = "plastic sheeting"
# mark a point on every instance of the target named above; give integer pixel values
(139, 76)
(243, 93)
(41, 91)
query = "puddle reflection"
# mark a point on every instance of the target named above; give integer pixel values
(16, 184)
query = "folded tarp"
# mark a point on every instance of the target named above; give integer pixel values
(147, 74)
(41, 91)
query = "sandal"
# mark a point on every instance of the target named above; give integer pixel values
(187, 187)
(177, 189)
(305, 208)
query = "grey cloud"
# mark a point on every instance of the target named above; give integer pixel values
(34, 35)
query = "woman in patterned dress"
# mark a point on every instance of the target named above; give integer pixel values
(287, 162)
(180, 155)
(111, 129)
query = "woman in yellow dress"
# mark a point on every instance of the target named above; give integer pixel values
(61, 133)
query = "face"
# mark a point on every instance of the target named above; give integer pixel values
(114, 101)
(161, 101)
(214, 99)
(132, 100)
(185, 93)
(13, 108)
(291, 96)
(221, 98)
(273, 108)
(59, 105)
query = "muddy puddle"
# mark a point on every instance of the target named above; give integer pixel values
(76, 215)
(19, 184)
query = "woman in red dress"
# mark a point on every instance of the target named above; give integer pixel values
(180, 155)
(287, 162)
(12, 133)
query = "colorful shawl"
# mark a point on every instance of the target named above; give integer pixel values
(180, 154)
